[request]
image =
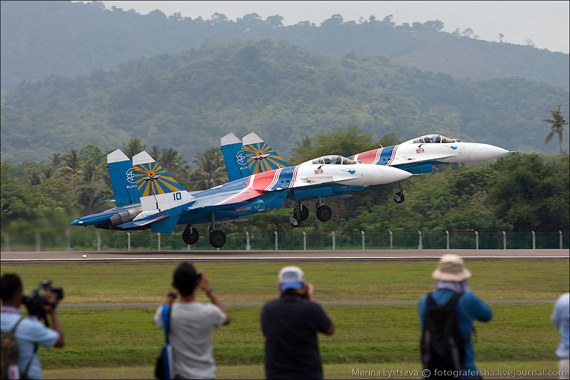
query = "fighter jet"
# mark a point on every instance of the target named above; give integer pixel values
(242, 158)
(164, 203)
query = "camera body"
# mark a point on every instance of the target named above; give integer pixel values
(35, 301)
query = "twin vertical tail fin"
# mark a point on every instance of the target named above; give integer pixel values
(122, 179)
(151, 178)
(260, 156)
(250, 156)
(234, 157)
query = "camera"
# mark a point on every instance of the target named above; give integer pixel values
(35, 301)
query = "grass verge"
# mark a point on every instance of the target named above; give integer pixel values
(87, 282)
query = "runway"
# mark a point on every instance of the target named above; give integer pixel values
(309, 255)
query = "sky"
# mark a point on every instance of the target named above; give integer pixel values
(544, 24)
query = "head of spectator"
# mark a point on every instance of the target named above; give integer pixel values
(451, 274)
(185, 279)
(12, 290)
(451, 268)
(291, 280)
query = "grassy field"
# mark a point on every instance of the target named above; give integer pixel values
(123, 343)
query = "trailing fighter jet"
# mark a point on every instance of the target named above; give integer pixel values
(165, 204)
(253, 155)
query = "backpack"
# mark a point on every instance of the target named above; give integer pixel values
(442, 344)
(10, 369)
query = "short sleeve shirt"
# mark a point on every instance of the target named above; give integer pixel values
(290, 325)
(191, 327)
(29, 332)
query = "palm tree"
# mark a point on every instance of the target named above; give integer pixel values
(558, 122)
(211, 170)
(133, 146)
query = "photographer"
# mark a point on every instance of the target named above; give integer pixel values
(192, 324)
(30, 332)
(290, 325)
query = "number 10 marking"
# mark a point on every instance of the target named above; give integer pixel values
(177, 196)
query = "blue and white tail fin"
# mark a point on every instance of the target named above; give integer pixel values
(261, 157)
(151, 178)
(234, 157)
(250, 156)
(122, 179)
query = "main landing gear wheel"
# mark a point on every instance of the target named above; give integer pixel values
(217, 238)
(324, 213)
(190, 236)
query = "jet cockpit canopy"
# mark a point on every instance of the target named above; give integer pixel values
(426, 139)
(331, 160)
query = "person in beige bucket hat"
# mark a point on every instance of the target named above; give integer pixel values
(453, 293)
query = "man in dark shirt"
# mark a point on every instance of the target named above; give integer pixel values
(290, 325)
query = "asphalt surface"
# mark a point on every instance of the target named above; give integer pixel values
(309, 255)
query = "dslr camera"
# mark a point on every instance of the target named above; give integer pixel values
(35, 301)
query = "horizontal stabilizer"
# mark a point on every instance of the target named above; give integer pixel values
(166, 225)
(141, 222)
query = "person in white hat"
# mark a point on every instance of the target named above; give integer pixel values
(451, 286)
(290, 325)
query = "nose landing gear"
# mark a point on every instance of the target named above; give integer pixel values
(399, 196)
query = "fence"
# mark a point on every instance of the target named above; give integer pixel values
(89, 239)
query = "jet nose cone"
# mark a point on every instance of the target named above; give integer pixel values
(483, 152)
(387, 174)
(76, 222)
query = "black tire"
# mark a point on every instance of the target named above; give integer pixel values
(217, 239)
(398, 197)
(190, 236)
(324, 213)
(294, 222)
(304, 213)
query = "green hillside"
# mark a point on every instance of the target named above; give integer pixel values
(280, 91)
(44, 37)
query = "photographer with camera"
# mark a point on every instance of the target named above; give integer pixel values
(191, 324)
(290, 325)
(29, 332)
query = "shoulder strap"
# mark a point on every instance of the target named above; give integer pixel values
(454, 300)
(166, 320)
(16, 325)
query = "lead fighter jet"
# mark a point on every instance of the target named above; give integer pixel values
(148, 197)
(252, 155)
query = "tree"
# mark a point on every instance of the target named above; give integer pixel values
(211, 170)
(558, 122)
(133, 147)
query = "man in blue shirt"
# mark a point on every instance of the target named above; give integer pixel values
(560, 319)
(451, 277)
(30, 332)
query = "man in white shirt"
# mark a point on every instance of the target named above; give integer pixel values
(192, 324)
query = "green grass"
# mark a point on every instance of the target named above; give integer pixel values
(87, 282)
(123, 342)
(331, 371)
(365, 334)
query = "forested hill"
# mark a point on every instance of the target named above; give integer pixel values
(282, 92)
(41, 38)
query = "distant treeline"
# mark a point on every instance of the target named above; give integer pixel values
(188, 101)
(44, 37)
(516, 193)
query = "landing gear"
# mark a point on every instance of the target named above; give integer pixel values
(324, 212)
(399, 196)
(217, 238)
(190, 235)
(300, 213)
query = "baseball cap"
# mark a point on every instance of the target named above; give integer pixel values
(291, 277)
